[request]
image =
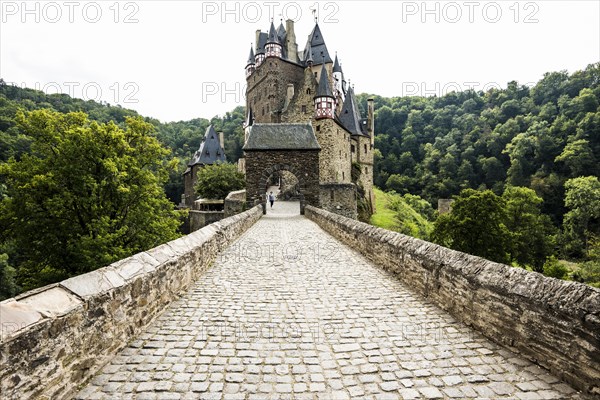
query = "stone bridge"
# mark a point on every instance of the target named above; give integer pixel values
(290, 306)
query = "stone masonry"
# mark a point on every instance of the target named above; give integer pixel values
(287, 311)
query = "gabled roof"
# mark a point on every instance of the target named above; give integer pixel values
(324, 88)
(350, 115)
(251, 57)
(281, 137)
(210, 151)
(317, 44)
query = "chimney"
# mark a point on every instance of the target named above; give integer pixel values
(291, 45)
(257, 38)
(371, 120)
(222, 140)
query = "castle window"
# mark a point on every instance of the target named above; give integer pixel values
(263, 111)
(365, 148)
(303, 109)
(352, 148)
(318, 128)
(267, 108)
(331, 195)
(343, 175)
(315, 74)
(308, 91)
(366, 170)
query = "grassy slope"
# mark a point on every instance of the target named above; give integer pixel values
(384, 217)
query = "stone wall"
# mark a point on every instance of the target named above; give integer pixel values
(552, 322)
(339, 199)
(199, 219)
(235, 203)
(267, 88)
(335, 160)
(55, 338)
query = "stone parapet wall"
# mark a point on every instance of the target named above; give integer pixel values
(199, 219)
(235, 203)
(554, 323)
(54, 338)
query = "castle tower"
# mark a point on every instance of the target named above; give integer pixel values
(210, 152)
(283, 93)
(273, 47)
(324, 99)
(251, 64)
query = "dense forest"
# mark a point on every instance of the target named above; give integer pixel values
(535, 137)
(526, 157)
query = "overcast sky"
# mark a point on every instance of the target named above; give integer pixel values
(178, 60)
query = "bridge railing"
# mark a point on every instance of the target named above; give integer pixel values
(554, 323)
(54, 338)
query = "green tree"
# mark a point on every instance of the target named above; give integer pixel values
(217, 180)
(578, 157)
(475, 226)
(87, 195)
(531, 231)
(582, 197)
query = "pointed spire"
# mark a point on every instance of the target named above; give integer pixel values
(324, 88)
(318, 47)
(309, 59)
(273, 38)
(251, 56)
(350, 114)
(336, 65)
(281, 31)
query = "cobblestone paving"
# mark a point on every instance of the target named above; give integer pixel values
(289, 312)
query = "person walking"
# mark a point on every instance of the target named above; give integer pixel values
(271, 199)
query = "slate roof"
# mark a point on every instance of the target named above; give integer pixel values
(273, 37)
(262, 41)
(324, 88)
(282, 137)
(316, 44)
(350, 115)
(251, 57)
(210, 151)
(336, 65)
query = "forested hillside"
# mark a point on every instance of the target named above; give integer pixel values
(182, 138)
(535, 137)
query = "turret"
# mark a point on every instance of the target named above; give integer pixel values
(261, 39)
(273, 47)
(338, 77)
(324, 99)
(251, 63)
(309, 58)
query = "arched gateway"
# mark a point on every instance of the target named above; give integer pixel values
(271, 148)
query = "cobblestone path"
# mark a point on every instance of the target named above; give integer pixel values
(289, 312)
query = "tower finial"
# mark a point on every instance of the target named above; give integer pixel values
(314, 11)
